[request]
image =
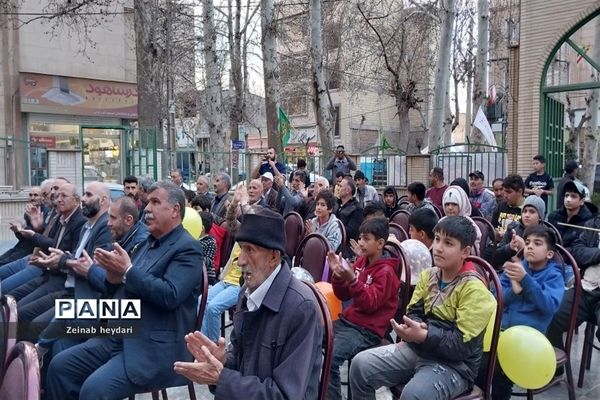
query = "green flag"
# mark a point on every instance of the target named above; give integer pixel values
(383, 143)
(284, 126)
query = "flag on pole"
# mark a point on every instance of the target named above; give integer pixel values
(483, 125)
(585, 49)
(384, 144)
(284, 127)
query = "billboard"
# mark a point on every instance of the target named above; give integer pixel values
(77, 96)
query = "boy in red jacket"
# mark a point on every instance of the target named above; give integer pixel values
(372, 284)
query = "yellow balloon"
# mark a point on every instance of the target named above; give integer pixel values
(192, 222)
(526, 357)
(487, 337)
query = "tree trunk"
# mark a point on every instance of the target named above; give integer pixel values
(469, 105)
(406, 144)
(442, 75)
(235, 55)
(271, 71)
(480, 88)
(447, 123)
(322, 106)
(149, 68)
(590, 151)
(212, 91)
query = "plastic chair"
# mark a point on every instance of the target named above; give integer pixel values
(344, 243)
(327, 342)
(398, 231)
(22, 374)
(563, 357)
(487, 233)
(400, 217)
(294, 232)
(438, 211)
(491, 280)
(226, 246)
(404, 275)
(8, 335)
(555, 231)
(311, 255)
(588, 348)
(403, 205)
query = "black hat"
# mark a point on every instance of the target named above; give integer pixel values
(576, 187)
(265, 229)
(359, 175)
(477, 174)
(571, 166)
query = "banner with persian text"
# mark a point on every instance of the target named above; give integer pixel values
(77, 96)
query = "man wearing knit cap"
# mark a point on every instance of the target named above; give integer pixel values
(277, 334)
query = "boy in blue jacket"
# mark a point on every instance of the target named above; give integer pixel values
(532, 290)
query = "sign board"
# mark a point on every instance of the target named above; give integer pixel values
(238, 145)
(44, 141)
(77, 96)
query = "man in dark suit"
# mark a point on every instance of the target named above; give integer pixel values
(165, 273)
(64, 236)
(59, 280)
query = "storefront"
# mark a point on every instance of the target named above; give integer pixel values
(76, 126)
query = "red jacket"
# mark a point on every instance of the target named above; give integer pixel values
(374, 294)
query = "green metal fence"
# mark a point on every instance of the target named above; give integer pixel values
(382, 168)
(14, 170)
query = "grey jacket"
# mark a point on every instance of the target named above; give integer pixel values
(276, 350)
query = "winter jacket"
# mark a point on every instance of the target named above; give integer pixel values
(390, 210)
(541, 296)
(351, 216)
(330, 229)
(369, 196)
(586, 249)
(586, 212)
(275, 351)
(374, 294)
(424, 204)
(485, 202)
(456, 318)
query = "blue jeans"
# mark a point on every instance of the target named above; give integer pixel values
(396, 364)
(17, 273)
(13, 267)
(348, 341)
(221, 297)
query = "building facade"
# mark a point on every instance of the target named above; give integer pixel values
(66, 100)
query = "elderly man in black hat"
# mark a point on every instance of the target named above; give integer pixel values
(277, 334)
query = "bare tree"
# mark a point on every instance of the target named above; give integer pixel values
(400, 34)
(151, 61)
(214, 113)
(321, 101)
(271, 71)
(590, 150)
(462, 59)
(442, 75)
(575, 130)
(481, 70)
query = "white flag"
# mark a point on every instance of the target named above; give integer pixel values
(483, 125)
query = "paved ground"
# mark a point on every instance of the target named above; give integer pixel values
(589, 391)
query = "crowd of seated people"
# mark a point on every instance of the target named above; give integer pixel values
(80, 245)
